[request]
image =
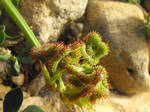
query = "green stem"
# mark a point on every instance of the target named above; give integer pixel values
(45, 72)
(19, 20)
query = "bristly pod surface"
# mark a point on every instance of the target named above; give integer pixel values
(85, 81)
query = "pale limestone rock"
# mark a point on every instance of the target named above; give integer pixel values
(1, 106)
(36, 85)
(121, 27)
(25, 95)
(18, 80)
(4, 90)
(3, 69)
(114, 103)
(36, 100)
(48, 17)
(137, 103)
(52, 103)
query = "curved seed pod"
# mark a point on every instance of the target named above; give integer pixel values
(94, 48)
(86, 82)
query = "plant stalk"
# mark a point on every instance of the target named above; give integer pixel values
(19, 20)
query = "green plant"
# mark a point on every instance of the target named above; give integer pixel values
(13, 101)
(14, 69)
(19, 20)
(132, 1)
(3, 35)
(6, 55)
(147, 26)
(86, 81)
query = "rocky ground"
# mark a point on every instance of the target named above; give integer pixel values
(121, 26)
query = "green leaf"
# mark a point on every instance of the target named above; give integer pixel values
(12, 72)
(2, 36)
(16, 66)
(147, 26)
(33, 108)
(5, 57)
(132, 1)
(15, 69)
(2, 28)
(24, 56)
(13, 100)
(26, 60)
(0, 12)
(15, 2)
(84, 102)
(138, 1)
(5, 54)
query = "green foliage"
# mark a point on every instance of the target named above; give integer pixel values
(19, 20)
(13, 100)
(15, 69)
(0, 12)
(132, 1)
(15, 2)
(3, 35)
(86, 81)
(147, 26)
(2, 28)
(5, 55)
(24, 56)
(16, 66)
(33, 108)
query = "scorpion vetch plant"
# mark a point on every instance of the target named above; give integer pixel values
(73, 69)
